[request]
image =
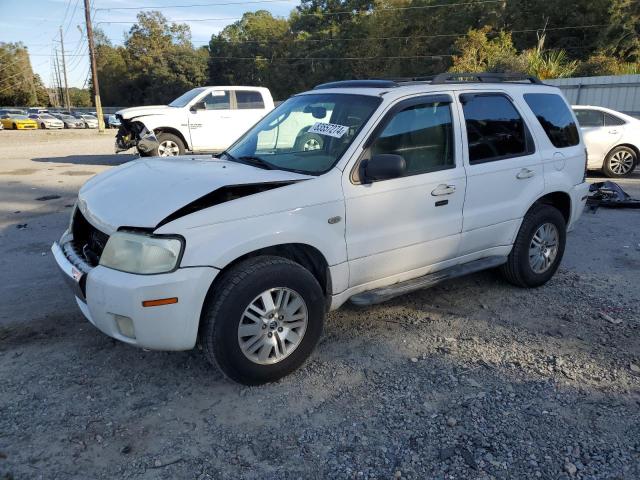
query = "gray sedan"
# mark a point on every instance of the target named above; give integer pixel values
(71, 122)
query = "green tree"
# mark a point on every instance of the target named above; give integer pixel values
(478, 53)
(601, 64)
(156, 63)
(18, 85)
(252, 51)
(80, 97)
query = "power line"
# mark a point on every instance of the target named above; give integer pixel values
(75, 7)
(190, 6)
(271, 60)
(19, 73)
(404, 37)
(64, 19)
(328, 14)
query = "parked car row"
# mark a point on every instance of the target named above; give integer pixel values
(41, 118)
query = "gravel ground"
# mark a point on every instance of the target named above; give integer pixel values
(473, 379)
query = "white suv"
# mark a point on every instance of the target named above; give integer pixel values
(411, 183)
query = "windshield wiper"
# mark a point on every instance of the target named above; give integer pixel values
(249, 160)
(257, 162)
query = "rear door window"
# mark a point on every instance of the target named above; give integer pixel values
(217, 100)
(590, 118)
(495, 129)
(554, 117)
(248, 100)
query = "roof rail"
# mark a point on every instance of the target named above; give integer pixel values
(439, 79)
(358, 84)
(484, 78)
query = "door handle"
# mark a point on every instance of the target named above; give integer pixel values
(525, 173)
(613, 132)
(225, 116)
(443, 189)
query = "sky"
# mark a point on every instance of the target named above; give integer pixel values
(36, 23)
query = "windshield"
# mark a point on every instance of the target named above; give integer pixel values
(47, 116)
(67, 117)
(185, 98)
(18, 117)
(307, 133)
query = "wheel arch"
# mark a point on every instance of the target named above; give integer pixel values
(633, 147)
(173, 131)
(303, 254)
(558, 199)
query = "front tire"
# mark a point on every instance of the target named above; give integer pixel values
(262, 320)
(169, 145)
(620, 162)
(538, 248)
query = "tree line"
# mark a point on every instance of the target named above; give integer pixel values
(325, 40)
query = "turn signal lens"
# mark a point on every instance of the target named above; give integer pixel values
(160, 301)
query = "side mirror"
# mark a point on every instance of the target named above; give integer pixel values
(383, 166)
(198, 106)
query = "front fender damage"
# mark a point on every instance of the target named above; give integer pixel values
(129, 134)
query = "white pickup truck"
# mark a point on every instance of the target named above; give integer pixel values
(205, 119)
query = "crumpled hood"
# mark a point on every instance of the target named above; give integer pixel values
(142, 193)
(133, 112)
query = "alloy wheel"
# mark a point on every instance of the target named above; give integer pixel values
(168, 148)
(543, 248)
(311, 144)
(621, 162)
(273, 325)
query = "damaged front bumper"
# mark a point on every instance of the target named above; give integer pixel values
(113, 301)
(135, 135)
(128, 135)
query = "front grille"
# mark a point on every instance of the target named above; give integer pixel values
(88, 241)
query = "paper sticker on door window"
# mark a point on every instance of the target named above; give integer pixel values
(329, 129)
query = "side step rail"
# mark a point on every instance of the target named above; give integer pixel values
(383, 294)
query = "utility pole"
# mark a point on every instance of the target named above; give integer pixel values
(59, 82)
(94, 68)
(64, 70)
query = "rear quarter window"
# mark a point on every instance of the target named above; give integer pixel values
(555, 118)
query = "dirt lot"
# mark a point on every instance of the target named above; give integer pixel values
(472, 379)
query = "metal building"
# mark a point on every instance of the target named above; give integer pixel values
(618, 92)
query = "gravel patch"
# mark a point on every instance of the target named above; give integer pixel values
(472, 379)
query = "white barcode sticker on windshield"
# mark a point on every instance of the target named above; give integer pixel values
(329, 129)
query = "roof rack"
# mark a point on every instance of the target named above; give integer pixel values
(439, 79)
(358, 84)
(484, 78)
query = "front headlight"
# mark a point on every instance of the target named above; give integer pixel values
(139, 253)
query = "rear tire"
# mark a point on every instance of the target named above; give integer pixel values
(620, 162)
(299, 307)
(15, 127)
(538, 248)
